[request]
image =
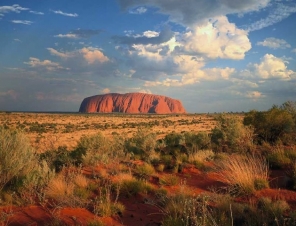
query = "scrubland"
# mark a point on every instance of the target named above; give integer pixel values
(117, 169)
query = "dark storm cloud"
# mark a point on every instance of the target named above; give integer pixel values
(192, 11)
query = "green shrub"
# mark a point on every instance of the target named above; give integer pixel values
(200, 140)
(100, 149)
(231, 135)
(184, 210)
(167, 160)
(94, 143)
(278, 159)
(154, 158)
(17, 157)
(104, 206)
(77, 155)
(174, 139)
(160, 167)
(134, 186)
(142, 143)
(273, 211)
(144, 171)
(38, 178)
(57, 159)
(271, 126)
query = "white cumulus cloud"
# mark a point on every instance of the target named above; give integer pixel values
(195, 76)
(272, 67)
(90, 55)
(217, 39)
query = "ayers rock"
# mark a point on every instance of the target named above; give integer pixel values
(131, 103)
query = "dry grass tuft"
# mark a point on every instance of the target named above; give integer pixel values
(59, 189)
(201, 156)
(81, 181)
(244, 174)
(124, 177)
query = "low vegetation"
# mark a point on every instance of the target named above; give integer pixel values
(101, 172)
(244, 174)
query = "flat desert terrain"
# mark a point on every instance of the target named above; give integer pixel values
(47, 131)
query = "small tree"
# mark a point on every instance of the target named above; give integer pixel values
(231, 135)
(271, 126)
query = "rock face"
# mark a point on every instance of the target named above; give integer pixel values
(131, 103)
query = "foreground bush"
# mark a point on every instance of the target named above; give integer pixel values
(244, 174)
(100, 149)
(275, 125)
(183, 210)
(144, 171)
(231, 135)
(141, 144)
(17, 157)
(199, 158)
(69, 189)
(104, 205)
(199, 141)
(279, 158)
(134, 186)
(255, 213)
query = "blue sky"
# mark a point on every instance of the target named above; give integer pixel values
(213, 55)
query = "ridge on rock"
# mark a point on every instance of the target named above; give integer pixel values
(131, 103)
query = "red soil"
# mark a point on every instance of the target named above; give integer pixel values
(139, 209)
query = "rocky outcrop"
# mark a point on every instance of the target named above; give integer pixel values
(131, 103)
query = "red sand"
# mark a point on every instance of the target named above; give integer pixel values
(139, 209)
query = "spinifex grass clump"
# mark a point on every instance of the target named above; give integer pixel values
(244, 174)
(198, 158)
(69, 189)
(132, 187)
(186, 210)
(104, 205)
(17, 157)
(144, 171)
